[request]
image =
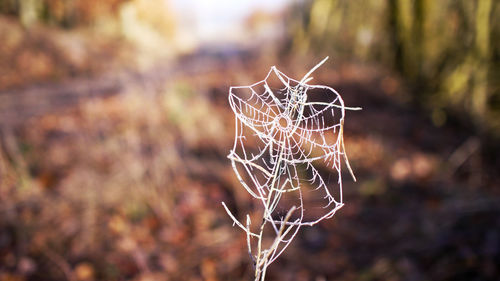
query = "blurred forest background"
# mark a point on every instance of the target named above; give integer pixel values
(115, 126)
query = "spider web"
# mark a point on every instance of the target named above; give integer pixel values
(280, 135)
(288, 140)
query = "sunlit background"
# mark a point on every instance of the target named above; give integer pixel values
(115, 126)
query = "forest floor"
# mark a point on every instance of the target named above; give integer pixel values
(124, 180)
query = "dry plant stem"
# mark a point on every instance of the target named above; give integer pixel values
(283, 163)
(260, 269)
(262, 257)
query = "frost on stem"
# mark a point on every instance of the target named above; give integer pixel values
(284, 128)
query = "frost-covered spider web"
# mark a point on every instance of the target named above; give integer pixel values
(287, 152)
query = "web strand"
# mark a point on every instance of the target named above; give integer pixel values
(281, 139)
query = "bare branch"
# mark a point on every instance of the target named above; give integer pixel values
(294, 136)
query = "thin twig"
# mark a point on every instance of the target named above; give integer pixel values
(287, 127)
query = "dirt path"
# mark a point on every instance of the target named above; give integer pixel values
(19, 105)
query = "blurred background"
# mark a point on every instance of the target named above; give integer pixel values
(115, 126)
